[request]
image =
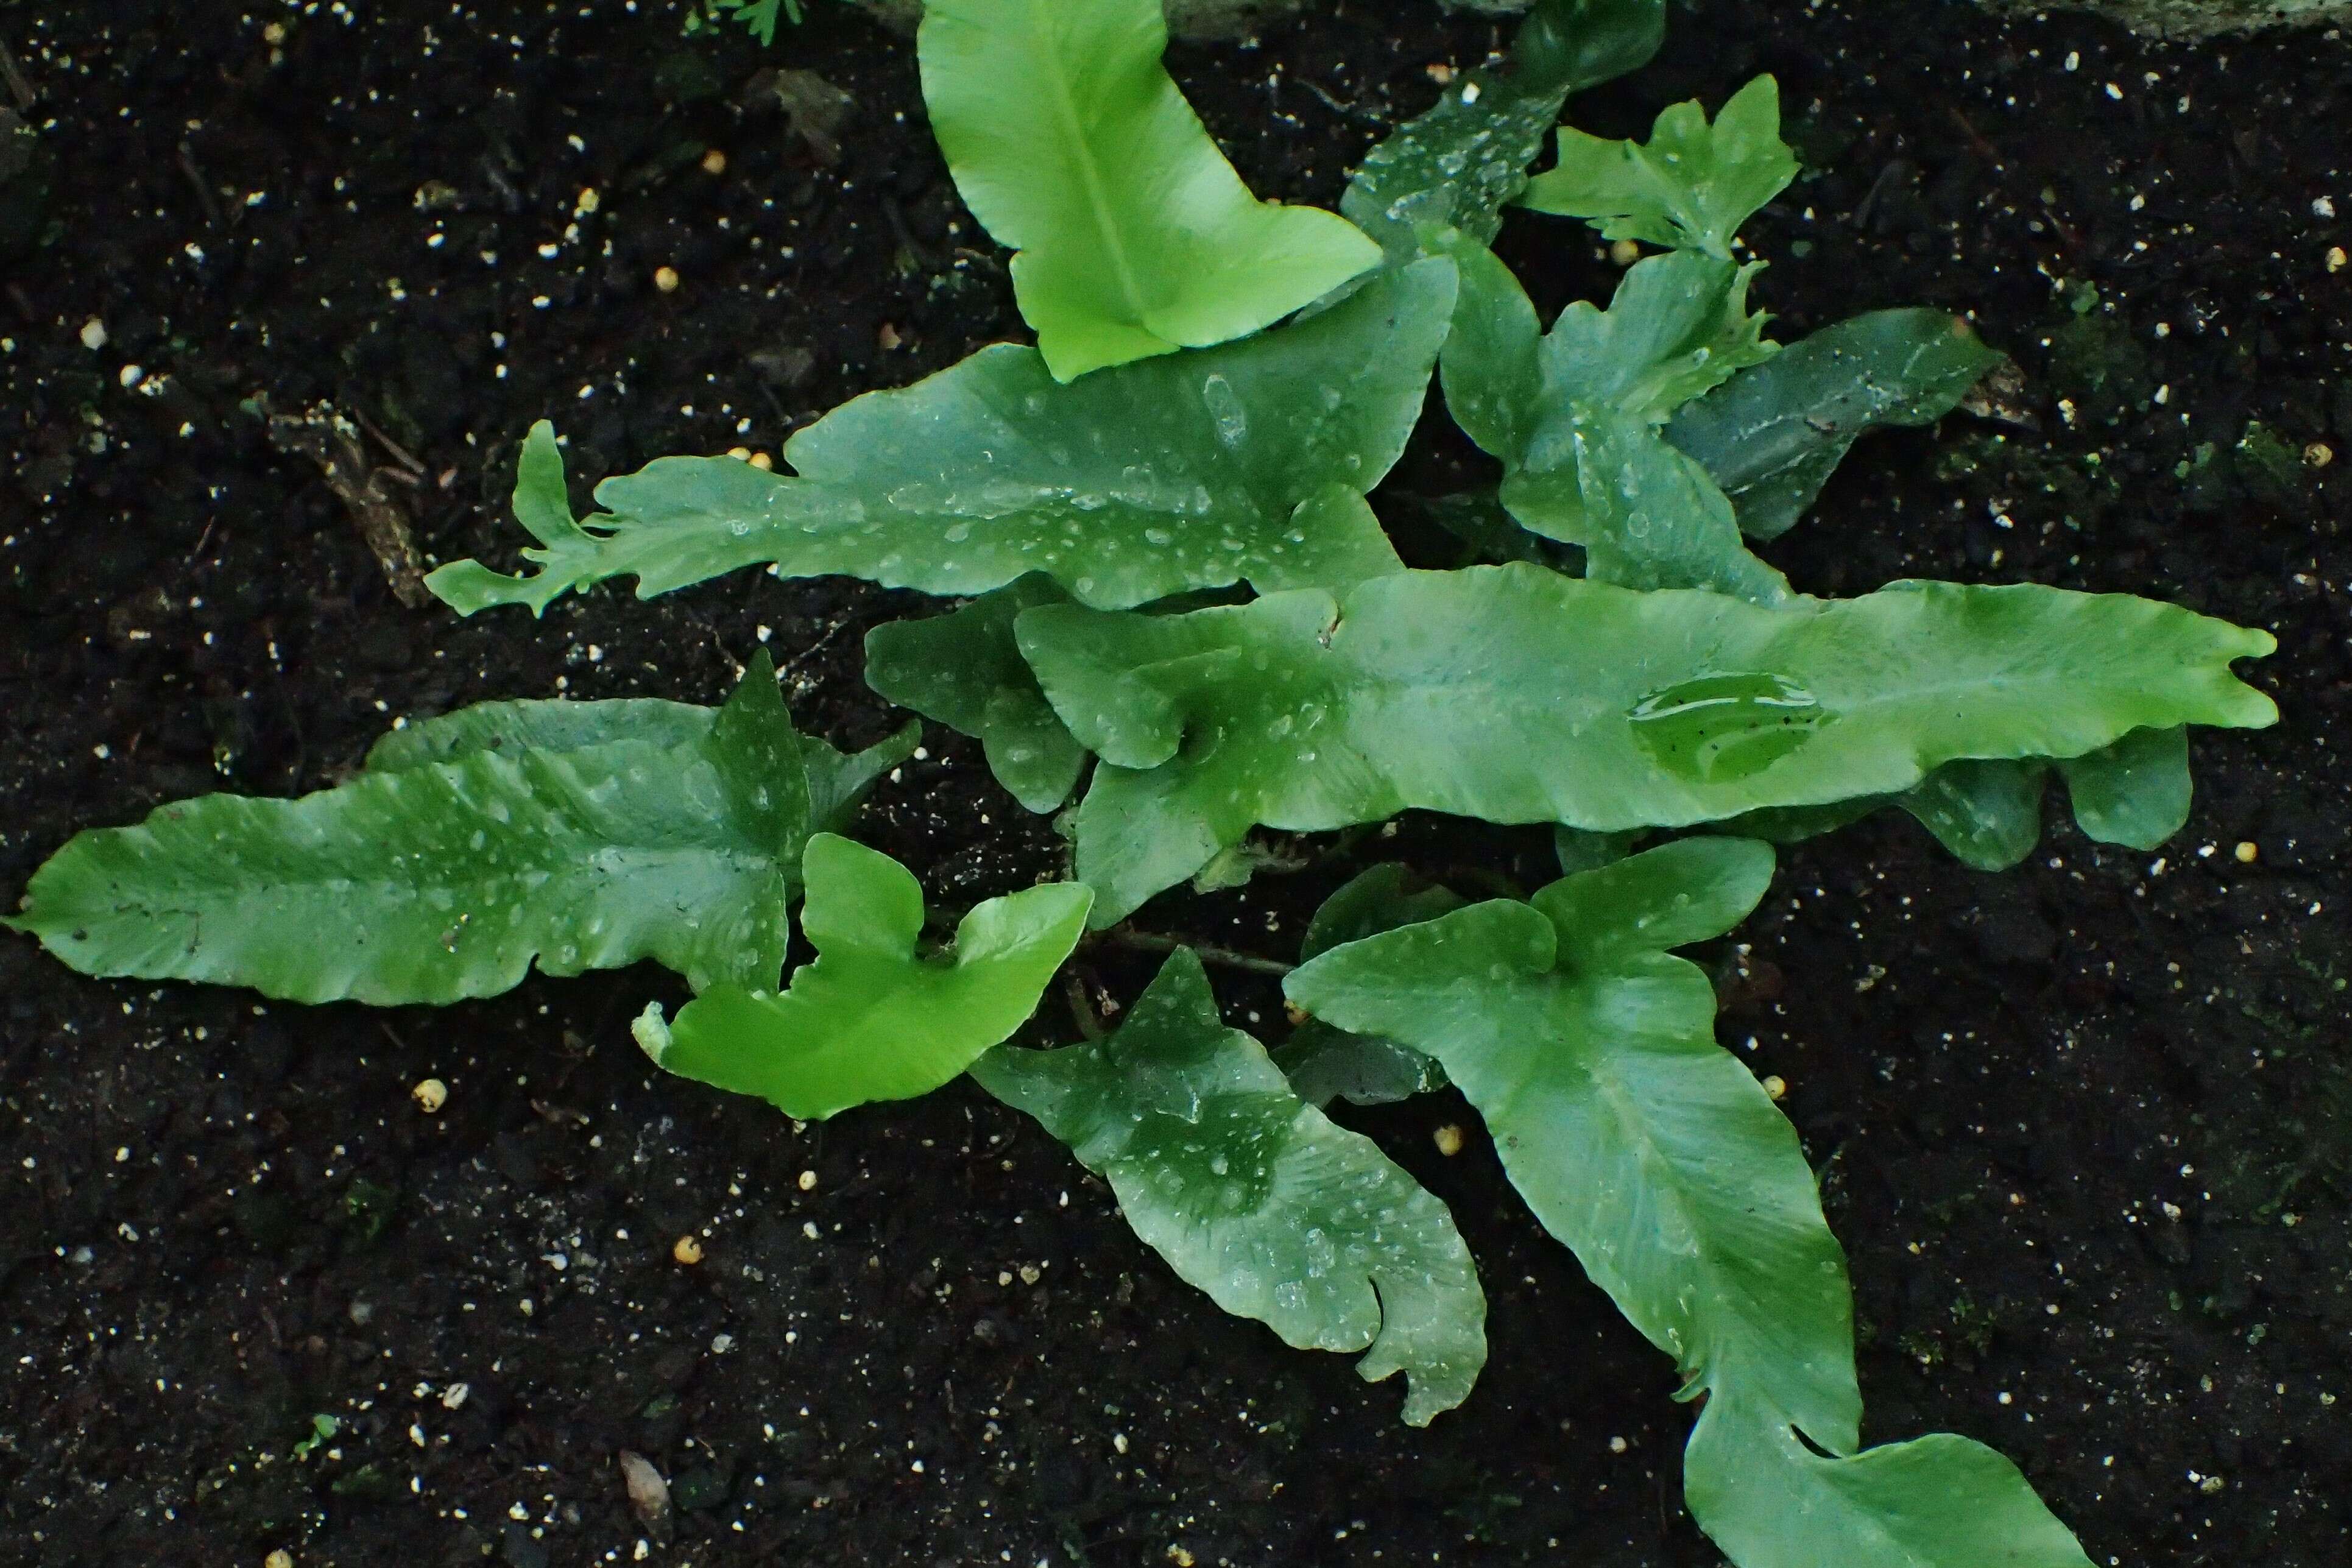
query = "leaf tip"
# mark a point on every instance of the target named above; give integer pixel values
(651, 1032)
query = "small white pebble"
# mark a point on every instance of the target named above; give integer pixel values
(808, 1181)
(430, 1094)
(133, 375)
(2323, 206)
(93, 334)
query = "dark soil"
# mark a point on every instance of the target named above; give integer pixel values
(2083, 1128)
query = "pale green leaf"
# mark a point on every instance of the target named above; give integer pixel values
(614, 833)
(2134, 793)
(1772, 434)
(1183, 472)
(964, 669)
(1325, 1064)
(1691, 186)
(872, 1019)
(1455, 166)
(1937, 1501)
(1072, 144)
(543, 507)
(1578, 850)
(1255, 1196)
(1444, 692)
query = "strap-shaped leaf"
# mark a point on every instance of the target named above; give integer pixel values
(964, 669)
(1455, 166)
(1772, 434)
(1325, 1064)
(1443, 691)
(870, 1019)
(1254, 1195)
(1691, 186)
(1937, 1501)
(1182, 472)
(1657, 1158)
(1072, 144)
(614, 833)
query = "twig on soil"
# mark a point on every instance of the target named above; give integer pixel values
(327, 439)
(1209, 953)
(399, 453)
(1082, 1010)
(204, 190)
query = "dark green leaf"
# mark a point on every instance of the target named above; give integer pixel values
(1182, 472)
(964, 669)
(1772, 433)
(1254, 1195)
(1325, 1064)
(611, 835)
(2134, 793)
(1071, 144)
(870, 1019)
(1455, 166)
(1443, 691)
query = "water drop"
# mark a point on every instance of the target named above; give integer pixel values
(1719, 729)
(1224, 406)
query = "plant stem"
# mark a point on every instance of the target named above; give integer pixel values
(1231, 958)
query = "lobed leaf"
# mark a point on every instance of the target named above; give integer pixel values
(1443, 691)
(1657, 1158)
(1690, 187)
(1455, 166)
(2134, 793)
(1572, 415)
(964, 669)
(1772, 433)
(1071, 144)
(869, 1019)
(1650, 1151)
(596, 838)
(1178, 473)
(1255, 1196)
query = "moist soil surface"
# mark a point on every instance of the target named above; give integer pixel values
(2083, 1127)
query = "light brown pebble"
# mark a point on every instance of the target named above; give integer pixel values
(808, 1181)
(764, 463)
(740, 454)
(1294, 1014)
(2246, 852)
(1624, 252)
(714, 162)
(688, 1251)
(2319, 455)
(1179, 1556)
(1776, 1086)
(430, 1094)
(1448, 1140)
(888, 336)
(281, 1558)
(1440, 73)
(2336, 259)
(665, 280)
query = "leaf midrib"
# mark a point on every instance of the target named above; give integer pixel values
(1091, 175)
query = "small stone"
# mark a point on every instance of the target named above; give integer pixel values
(665, 280)
(714, 162)
(2246, 852)
(2336, 259)
(808, 1181)
(764, 463)
(589, 200)
(93, 333)
(740, 454)
(2319, 455)
(688, 1251)
(281, 1558)
(888, 337)
(1448, 1140)
(1294, 1014)
(133, 375)
(430, 1094)
(648, 1492)
(1624, 252)
(1776, 1086)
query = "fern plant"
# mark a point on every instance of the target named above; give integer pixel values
(1180, 590)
